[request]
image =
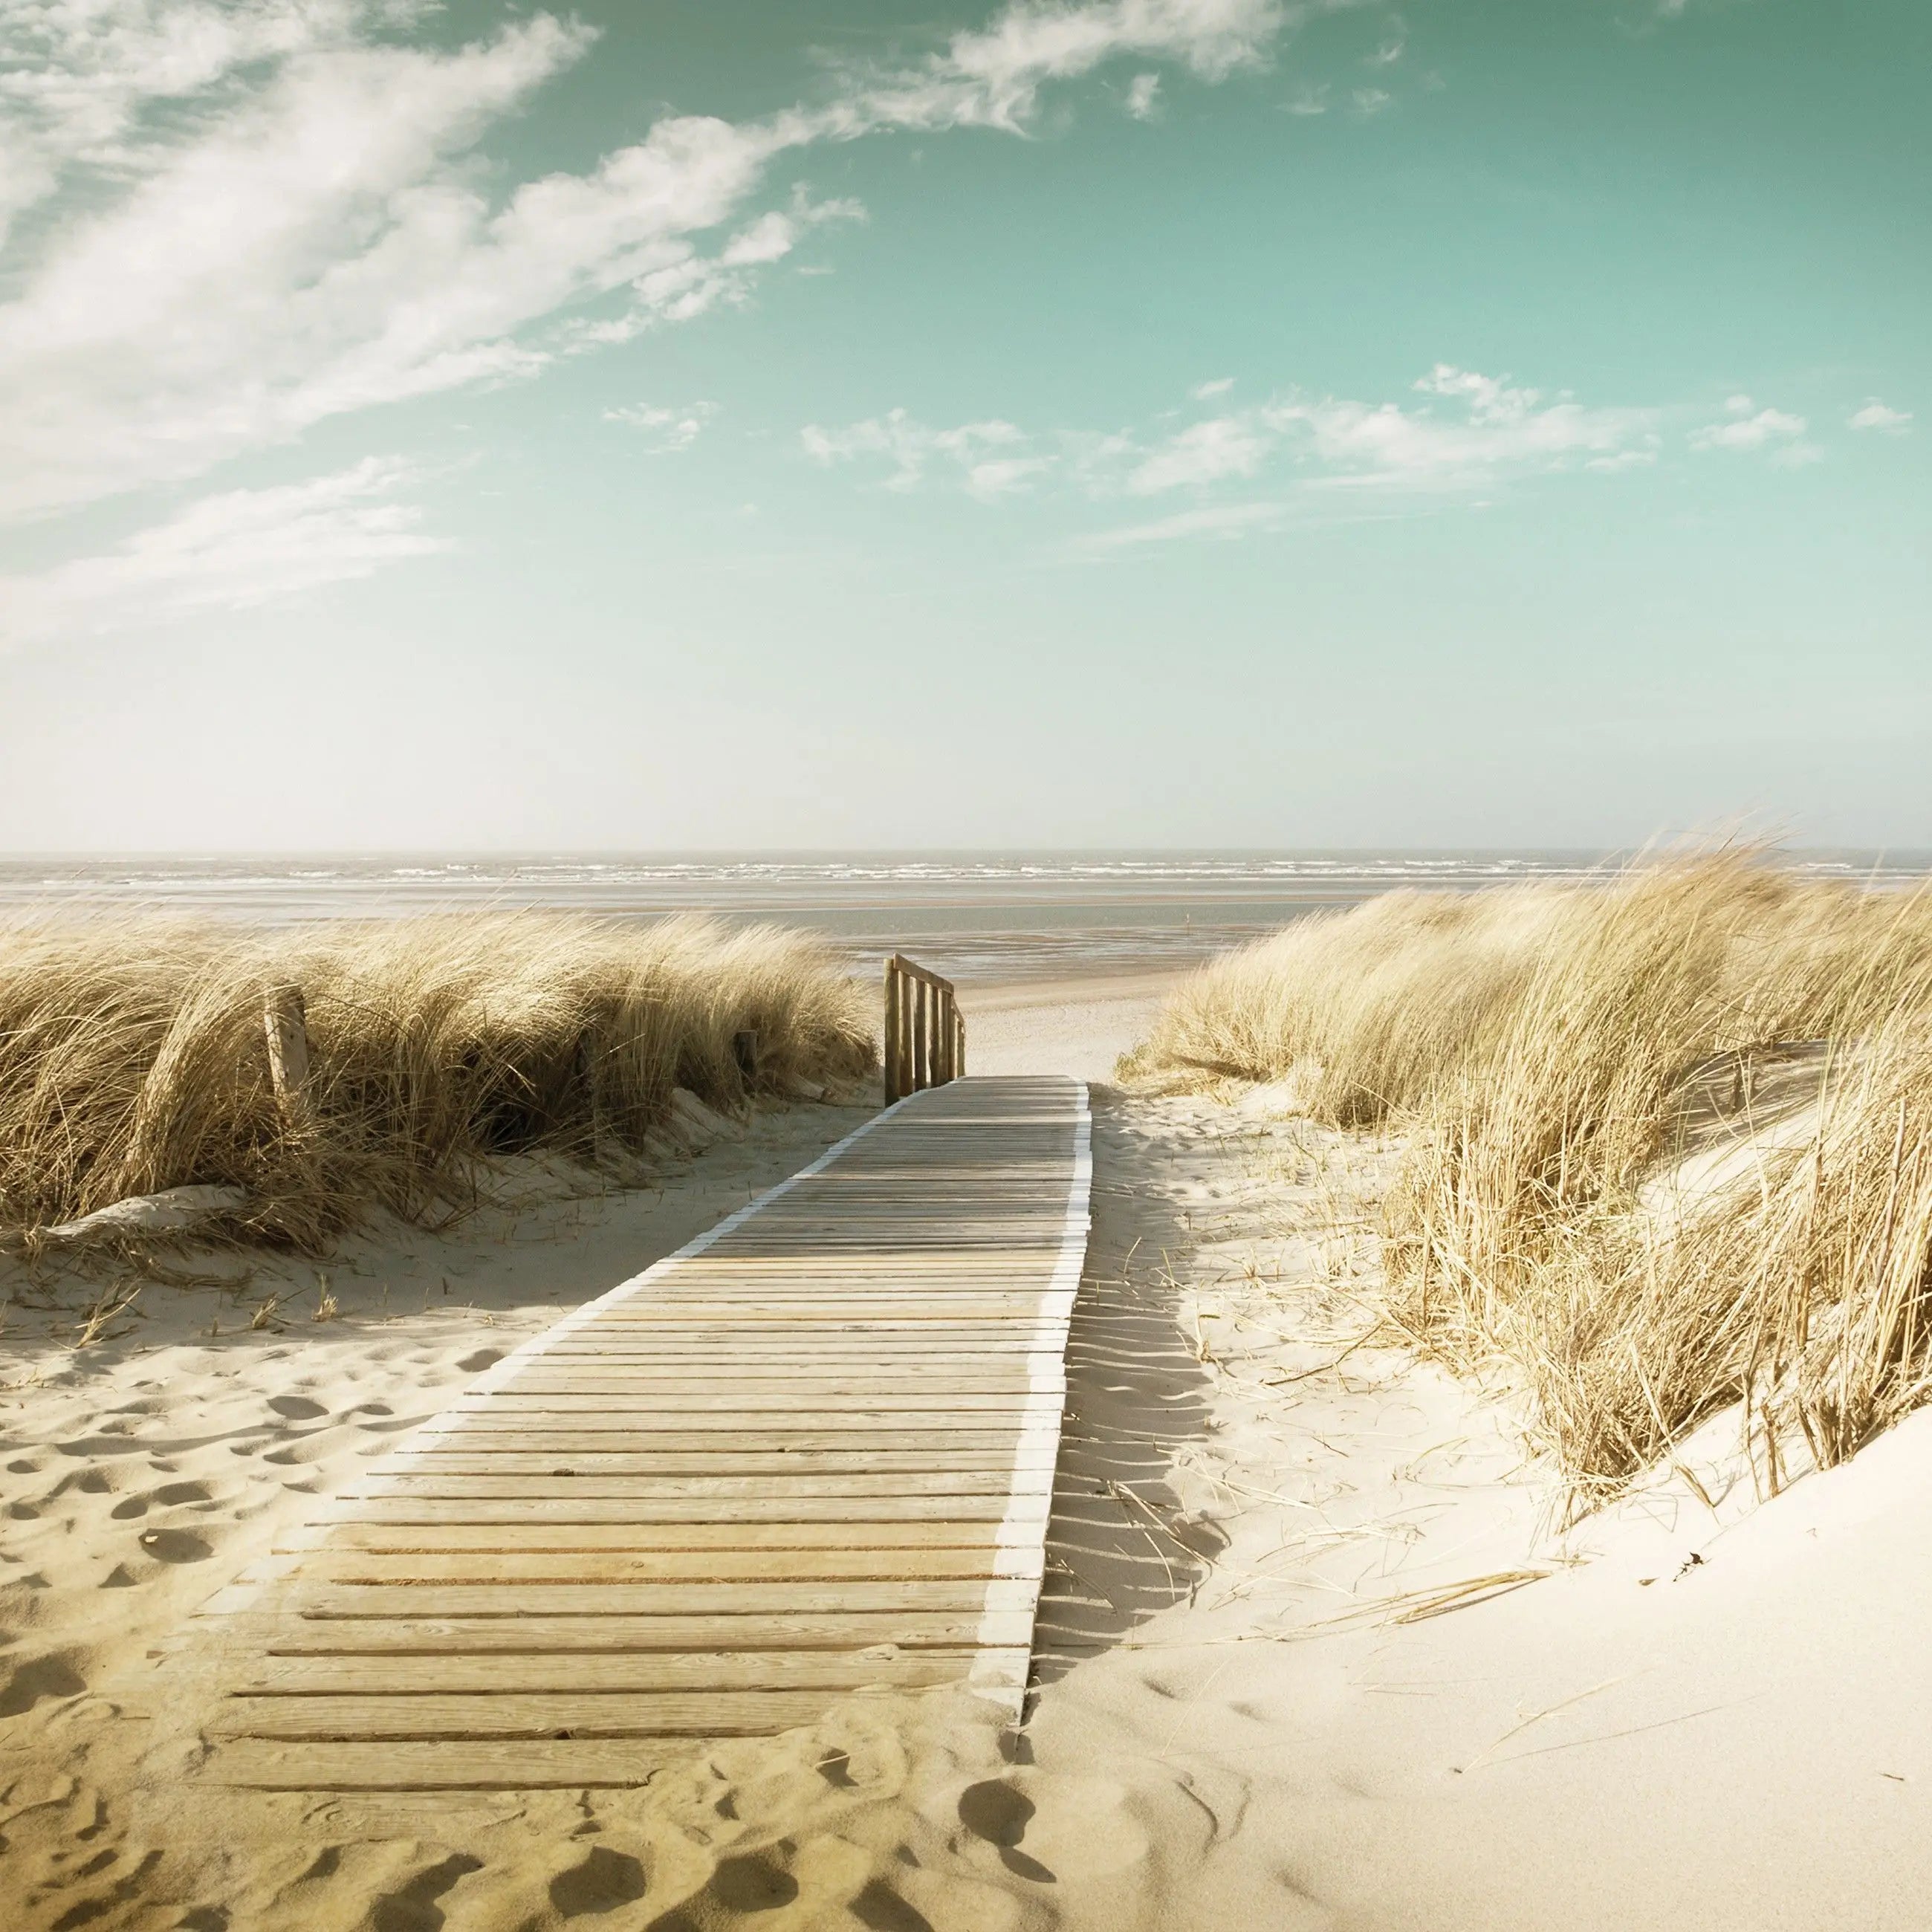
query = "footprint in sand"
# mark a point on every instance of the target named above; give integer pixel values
(1077, 1830)
(601, 1882)
(296, 1408)
(994, 1811)
(413, 1907)
(474, 1364)
(751, 1885)
(176, 1546)
(880, 1909)
(56, 1675)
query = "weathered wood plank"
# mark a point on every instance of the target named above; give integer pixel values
(680, 1539)
(833, 1671)
(494, 1564)
(421, 1716)
(797, 1597)
(522, 1765)
(624, 1634)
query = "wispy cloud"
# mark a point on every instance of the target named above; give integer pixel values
(1143, 100)
(1203, 453)
(1221, 522)
(78, 81)
(1466, 433)
(228, 551)
(1204, 392)
(1371, 100)
(1880, 416)
(249, 217)
(991, 457)
(1747, 426)
(1394, 44)
(664, 431)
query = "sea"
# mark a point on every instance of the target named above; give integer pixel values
(977, 917)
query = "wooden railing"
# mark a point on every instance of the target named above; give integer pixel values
(926, 1036)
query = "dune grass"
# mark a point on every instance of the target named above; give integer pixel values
(1540, 1045)
(133, 1056)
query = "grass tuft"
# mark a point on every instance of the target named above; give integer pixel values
(1671, 1139)
(133, 1056)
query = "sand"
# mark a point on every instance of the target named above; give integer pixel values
(1080, 1027)
(1315, 1650)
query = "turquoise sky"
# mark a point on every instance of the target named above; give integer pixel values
(1190, 422)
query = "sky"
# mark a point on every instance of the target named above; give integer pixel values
(820, 424)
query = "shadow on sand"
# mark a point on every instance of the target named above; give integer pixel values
(1119, 1545)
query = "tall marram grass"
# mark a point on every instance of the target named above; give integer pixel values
(1542, 1045)
(134, 1058)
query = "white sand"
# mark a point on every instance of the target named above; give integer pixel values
(1261, 1706)
(1079, 1026)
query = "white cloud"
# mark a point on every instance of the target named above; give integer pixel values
(993, 78)
(1203, 392)
(1221, 522)
(1491, 429)
(1309, 100)
(1878, 415)
(1394, 44)
(1746, 427)
(253, 215)
(1371, 100)
(80, 79)
(1204, 453)
(990, 457)
(1143, 97)
(1470, 433)
(228, 551)
(664, 431)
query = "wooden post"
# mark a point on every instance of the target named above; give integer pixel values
(905, 1031)
(921, 1065)
(285, 1021)
(744, 1051)
(958, 1045)
(946, 1027)
(892, 1038)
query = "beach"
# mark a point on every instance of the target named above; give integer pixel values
(1313, 1650)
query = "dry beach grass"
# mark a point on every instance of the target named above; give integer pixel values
(1565, 1061)
(133, 1056)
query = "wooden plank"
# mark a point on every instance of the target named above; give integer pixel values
(677, 1408)
(795, 1598)
(531, 1714)
(524, 1764)
(788, 1511)
(412, 1480)
(719, 1473)
(492, 1563)
(798, 1538)
(416, 1633)
(833, 1671)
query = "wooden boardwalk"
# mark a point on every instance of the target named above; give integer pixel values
(812, 1452)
